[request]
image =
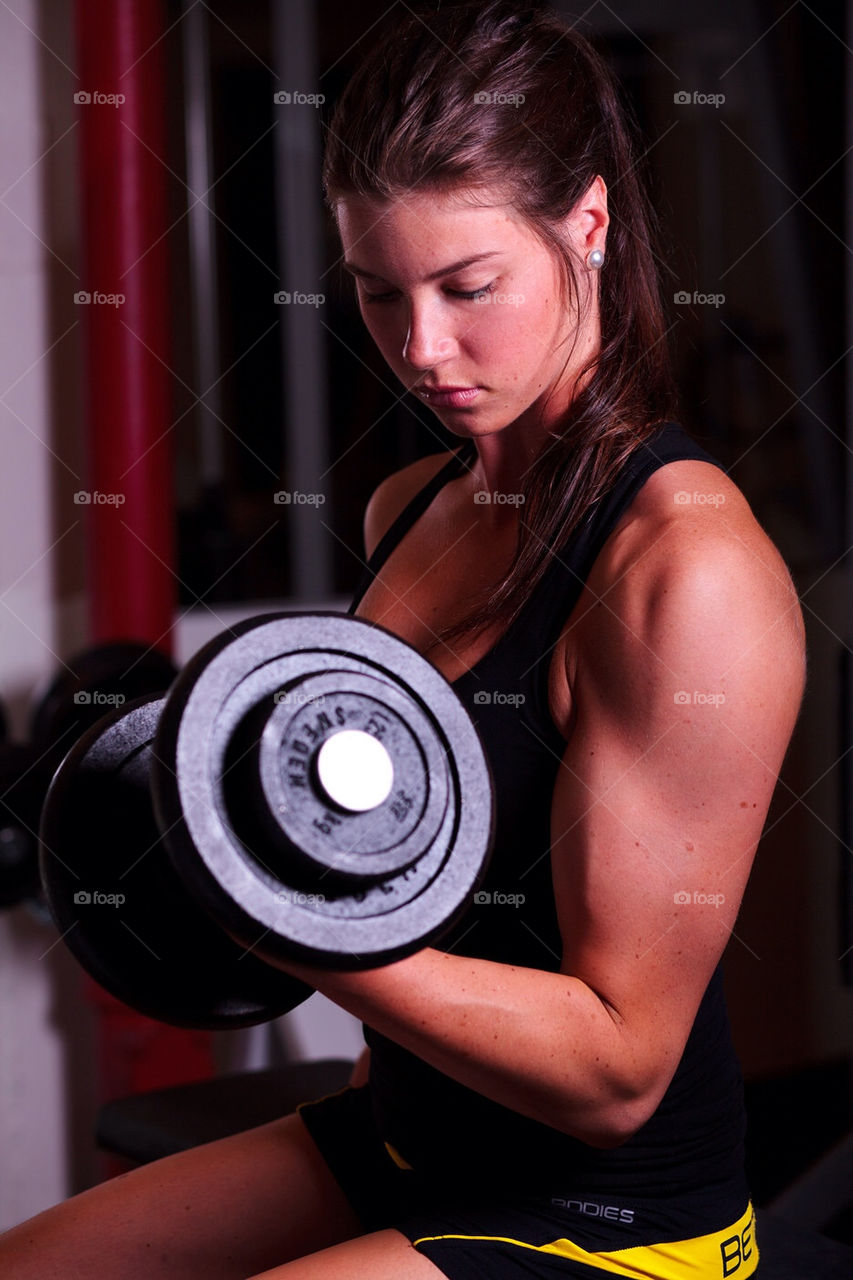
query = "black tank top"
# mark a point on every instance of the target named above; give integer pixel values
(693, 1142)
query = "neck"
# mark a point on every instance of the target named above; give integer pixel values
(503, 460)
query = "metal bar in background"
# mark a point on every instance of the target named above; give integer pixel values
(304, 365)
(802, 305)
(128, 392)
(845, 816)
(124, 220)
(845, 869)
(204, 279)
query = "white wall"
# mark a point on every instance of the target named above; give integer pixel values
(33, 1130)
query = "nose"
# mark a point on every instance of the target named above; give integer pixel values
(429, 340)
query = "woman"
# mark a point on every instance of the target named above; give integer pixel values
(551, 1090)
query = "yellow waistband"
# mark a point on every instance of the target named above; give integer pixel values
(730, 1252)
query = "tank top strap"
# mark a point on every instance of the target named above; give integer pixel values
(559, 589)
(571, 563)
(456, 464)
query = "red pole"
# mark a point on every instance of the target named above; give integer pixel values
(124, 309)
(125, 218)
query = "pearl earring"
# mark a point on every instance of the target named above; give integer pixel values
(595, 259)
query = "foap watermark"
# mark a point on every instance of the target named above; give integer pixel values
(296, 498)
(97, 898)
(97, 698)
(696, 299)
(483, 97)
(484, 496)
(496, 698)
(296, 98)
(698, 99)
(297, 698)
(285, 298)
(501, 299)
(684, 498)
(293, 898)
(684, 898)
(85, 298)
(486, 898)
(94, 498)
(97, 99)
(698, 699)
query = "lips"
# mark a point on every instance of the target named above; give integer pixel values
(453, 397)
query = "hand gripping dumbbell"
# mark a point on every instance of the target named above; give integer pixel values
(310, 788)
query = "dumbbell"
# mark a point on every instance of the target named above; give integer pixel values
(102, 676)
(309, 789)
(89, 684)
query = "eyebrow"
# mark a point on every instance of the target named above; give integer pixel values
(434, 275)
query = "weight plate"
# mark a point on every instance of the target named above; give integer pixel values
(93, 683)
(120, 907)
(233, 857)
(383, 838)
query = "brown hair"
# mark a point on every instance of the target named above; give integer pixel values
(414, 118)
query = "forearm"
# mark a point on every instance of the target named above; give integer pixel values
(541, 1043)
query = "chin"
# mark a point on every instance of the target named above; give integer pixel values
(471, 424)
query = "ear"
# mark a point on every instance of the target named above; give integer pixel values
(586, 225)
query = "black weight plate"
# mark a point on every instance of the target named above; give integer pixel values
(246, 884)
(24, 778)
(379, 841)
(93, 683)
(118, 903)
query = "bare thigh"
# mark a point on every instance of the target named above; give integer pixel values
(223, 1211)
(382, 1255)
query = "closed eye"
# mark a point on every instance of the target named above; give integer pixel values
(469, 295)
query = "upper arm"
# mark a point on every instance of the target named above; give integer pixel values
(394, 493)
(686, 683)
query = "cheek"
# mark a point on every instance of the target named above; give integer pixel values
(518, 335)
(525, 333)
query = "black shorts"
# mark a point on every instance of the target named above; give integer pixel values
(469, 1233)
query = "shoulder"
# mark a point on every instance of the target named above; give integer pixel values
(690, 523)
(689, 584)
(393, 495)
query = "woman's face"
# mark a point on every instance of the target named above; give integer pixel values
(465, 297)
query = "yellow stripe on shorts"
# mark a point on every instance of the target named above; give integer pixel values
(396, 1157)
(731, 1252)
